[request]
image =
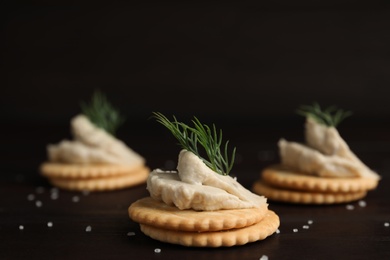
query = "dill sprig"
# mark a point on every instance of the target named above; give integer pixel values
(102, 113)
(330, 116)
(190, 138)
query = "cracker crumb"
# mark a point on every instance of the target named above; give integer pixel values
(157, 250)
(387, 224)
(50, 224)
(38, 203)
(310, 222)
(295, 230)
(305, 227)
(263, 257)
(21, 227)
(30, 197)
(75, 199)
(362, 203)
(130, 234)
(350, 207)
(88, 229)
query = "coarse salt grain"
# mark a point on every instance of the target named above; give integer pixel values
(362, 203)
(310, 222)
(305, 227)
(38, 203)
(54, 196)
(21, 227)
(277, 231)
(85, 192)
(264, 257)
(75, 199)
(349, 207)
(130, 234)
(49, 224)
(295, 230)
(30, 197)
(387, 224)
(88, 229)
(157, 250)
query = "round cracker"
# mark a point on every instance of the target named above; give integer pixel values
(259, 231)
(102, 183)
(78, 171)
(283, 177)
(149, 211)
(305, 197)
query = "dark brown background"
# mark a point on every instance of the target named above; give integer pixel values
(221, 61)
(243, 66)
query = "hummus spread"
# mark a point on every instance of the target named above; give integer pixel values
(92, 145)
(196, 186)
(326, 154)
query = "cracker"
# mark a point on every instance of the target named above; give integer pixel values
(149, 211)
(259, 231)
(102, 183)
(77, 171)
(283, 177)
(305, 197)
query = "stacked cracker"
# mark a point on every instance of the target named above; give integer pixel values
(322, 171)
(196, 206)
(95, 160)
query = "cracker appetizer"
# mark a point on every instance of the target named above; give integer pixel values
(94, 160)
(200, 205)
(323, 170)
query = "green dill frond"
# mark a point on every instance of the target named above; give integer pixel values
(102, 113)
(201, 135)
(330, 116)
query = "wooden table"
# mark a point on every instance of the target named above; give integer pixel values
(38, 221)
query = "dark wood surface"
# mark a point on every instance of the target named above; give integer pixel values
(336, 232)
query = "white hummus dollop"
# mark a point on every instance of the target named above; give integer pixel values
(196, 186)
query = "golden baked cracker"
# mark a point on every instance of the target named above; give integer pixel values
(283, 177)
(77, 171)
(305, 197)
(149, 211)
(102, 183)
(233, 237)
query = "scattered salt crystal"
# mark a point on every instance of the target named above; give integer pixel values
(40, 190)
(85, 192)
(387, 224)
(31, 197)
(75, 198)
(310, 222)
(277, 231)
(305, 227)
(49, 224)
(130, 234)
(88, 229)
(21, 227)
(157, 250)
(54, 196)
(350, 207)
(38, 203)
(264, 257)
(295, 230)
(362, 203)
(54, 190)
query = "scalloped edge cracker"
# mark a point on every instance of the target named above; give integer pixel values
(282, 177)
(103, 179)
(233, 237)
(305, 197)
(149, 211)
